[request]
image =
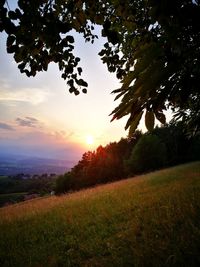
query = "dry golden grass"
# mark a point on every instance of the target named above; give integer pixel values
(44, 204)
(151, 220)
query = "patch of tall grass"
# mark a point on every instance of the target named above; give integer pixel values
(151, 220)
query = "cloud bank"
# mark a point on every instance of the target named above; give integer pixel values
(28, 122)
(6, 126)
(33, 96)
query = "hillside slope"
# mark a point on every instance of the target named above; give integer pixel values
(151, 220)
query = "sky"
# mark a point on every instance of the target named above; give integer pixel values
(39, 117)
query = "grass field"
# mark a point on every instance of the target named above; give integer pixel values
(151, 220)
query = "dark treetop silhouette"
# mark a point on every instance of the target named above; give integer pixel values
(152, 46)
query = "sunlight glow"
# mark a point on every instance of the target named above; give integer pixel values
(90, 140)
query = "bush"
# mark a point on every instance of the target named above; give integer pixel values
(63, 183)
(149, 154)
(194, 150)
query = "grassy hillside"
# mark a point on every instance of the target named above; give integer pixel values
(151, 220)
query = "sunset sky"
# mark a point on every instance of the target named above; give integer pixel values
(38, 116)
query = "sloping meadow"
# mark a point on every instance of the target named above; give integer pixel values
(149, 220)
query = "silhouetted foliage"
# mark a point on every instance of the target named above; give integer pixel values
(63, 183)
(165, 146)
(14, 184)
(152, 46)
(149, 154)
(177, 142)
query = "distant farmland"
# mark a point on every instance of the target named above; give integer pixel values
(12, 165)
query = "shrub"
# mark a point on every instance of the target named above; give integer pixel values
(63, 183)
(149, 154)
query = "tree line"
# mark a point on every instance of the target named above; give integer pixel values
(35, 184)
(142, 152)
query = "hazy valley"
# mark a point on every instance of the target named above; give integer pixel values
(11, 164)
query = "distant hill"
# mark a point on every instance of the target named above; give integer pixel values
(14, 164)
(150, 220)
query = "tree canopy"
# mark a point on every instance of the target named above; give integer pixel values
(152, 46)
(144, 152)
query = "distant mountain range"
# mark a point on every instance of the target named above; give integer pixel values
(11, 164)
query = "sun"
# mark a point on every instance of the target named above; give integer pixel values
(89, 139)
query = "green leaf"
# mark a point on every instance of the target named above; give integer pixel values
(22, 66)
(119, 95)
(12, 49)
(135, 123)
(81, 17)
(76, 92)
(10, 40)
(116, 91)
(18, 57)
(81, 82)
(79, 70)
(12, 15)
(102, 52)
(120, 111)
(128, 79)
(149, 120)
(70, 39)
(161, 117)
